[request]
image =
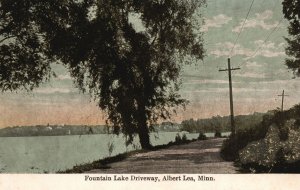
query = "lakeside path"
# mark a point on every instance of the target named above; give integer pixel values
(195, 157)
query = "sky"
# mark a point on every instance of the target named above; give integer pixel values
(256, 86)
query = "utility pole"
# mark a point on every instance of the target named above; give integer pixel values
(229, 69)
(282, 99)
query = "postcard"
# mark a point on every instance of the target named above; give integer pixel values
(155, 94)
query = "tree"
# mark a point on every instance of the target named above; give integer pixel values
(291, 11)
(133, 73)
(22, 60)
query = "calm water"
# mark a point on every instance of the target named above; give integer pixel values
(54, 153)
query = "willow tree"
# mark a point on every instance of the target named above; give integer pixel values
(132, 71)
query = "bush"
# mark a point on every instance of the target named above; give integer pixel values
(218, 134)
(178, 138)
(202, 136)
(234, 144)
(184, 138)
(240, 140)
(284, 133)
(271, 146)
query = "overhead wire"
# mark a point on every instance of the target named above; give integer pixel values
(266, 39)
(259, 48)
(236, 40)
(261, 45)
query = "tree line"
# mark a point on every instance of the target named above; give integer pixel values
(221, 124)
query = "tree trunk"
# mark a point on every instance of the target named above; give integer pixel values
(143, 129)
(144, 136)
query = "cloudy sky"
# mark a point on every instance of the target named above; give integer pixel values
(262, 77)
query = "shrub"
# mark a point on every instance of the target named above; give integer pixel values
(284, 133)
(178, 138)
(184, 138)
(262, 152)
(273, 155)
(271, 146)
(202, 136)
(280, 157)
(218, 134)
(235, 143)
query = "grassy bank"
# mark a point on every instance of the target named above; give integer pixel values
(269, 147)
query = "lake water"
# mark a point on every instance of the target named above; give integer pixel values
(53, 153)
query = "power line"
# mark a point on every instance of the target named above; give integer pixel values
(266, 39)
(241, 28)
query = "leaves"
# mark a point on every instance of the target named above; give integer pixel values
(134, 75)
(291, 11)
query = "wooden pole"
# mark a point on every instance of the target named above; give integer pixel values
(282, 99)
(229, 69)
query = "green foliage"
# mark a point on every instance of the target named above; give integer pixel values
(270, 154)
(218, 134)
(280, 157)
(23, 63)
(132, 73)
(202, 136)
(234, 144)
(271, 146)
(291, 11)
(177, 138)
(181, 139)
(221, 124)
(184, 138)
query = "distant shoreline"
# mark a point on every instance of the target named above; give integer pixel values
(113, 134)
